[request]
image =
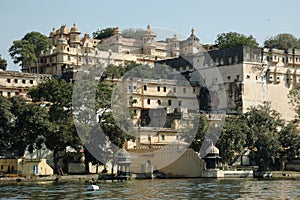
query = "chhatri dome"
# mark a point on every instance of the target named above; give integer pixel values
(75, 29)
(212, 150)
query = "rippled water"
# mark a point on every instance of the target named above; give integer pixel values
(156, 189)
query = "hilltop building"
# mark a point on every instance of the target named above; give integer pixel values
(249, 76)
(17, 83)
(70, 51)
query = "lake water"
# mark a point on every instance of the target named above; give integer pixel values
(156, 189)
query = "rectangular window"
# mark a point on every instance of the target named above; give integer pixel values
(1, 166)
(179, 103)
(31, 81)
(158, 88)
(163, 137)
(159, 102)
(8, 80)
(194, 90)
(165, 89)
(169, 102)
(16, 80)
(184, 90)
(145, 87)
(148, 101)
(8, 94)
(24, 81)
(1, 93)
(174, 89)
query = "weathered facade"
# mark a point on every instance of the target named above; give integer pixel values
(17, 83)
(248, 76)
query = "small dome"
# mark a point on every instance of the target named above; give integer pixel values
(149, 31)
(193, 37)
(75, 29)
(52, 33)
(212, 150)
(175, 38)
(64, 29)
(123, 157)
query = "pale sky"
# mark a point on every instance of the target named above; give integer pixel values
(260, 18)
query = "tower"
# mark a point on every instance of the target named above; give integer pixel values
(191, 45)
(117, 41)
(74, 36)
(149, 41)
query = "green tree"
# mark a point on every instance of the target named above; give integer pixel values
(294, 96)
(6, 121)
(57, 97)
(27, 51)
(232, 141)
(264, 126)
(3, 63)
(31, 123)
(230, 39)
(282, 41)
(103, 33)
(290, 142)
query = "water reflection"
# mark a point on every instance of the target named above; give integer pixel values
(156, 189)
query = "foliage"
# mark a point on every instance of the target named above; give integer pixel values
(294, 96)
(3, 63)
(198, 126)
(264, 125)
(6, 123)
(103, 33)
(56, 96)
(24, 126)
(231, 39)
(290, 141)
(282, 41)
(233, 138)
(27, 50)
(133, 33)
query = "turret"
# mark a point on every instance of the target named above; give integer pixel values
(74, 36)
(149, 41)
(191, 45)
(175, 46)
(117, 40)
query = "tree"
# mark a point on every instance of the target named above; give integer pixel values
(233, 138)
(103, 33)
(6, 122)
(294, 96)
(196, 140)
(27, 51)
(290, 142)
(264, 129)
(3, 63)
(31, 123)
(282, 41)
(57, 97)
(230, 39)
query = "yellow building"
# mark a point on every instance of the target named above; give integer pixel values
(18, 83)
(38, 167)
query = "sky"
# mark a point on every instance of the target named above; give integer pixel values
(260, 18)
